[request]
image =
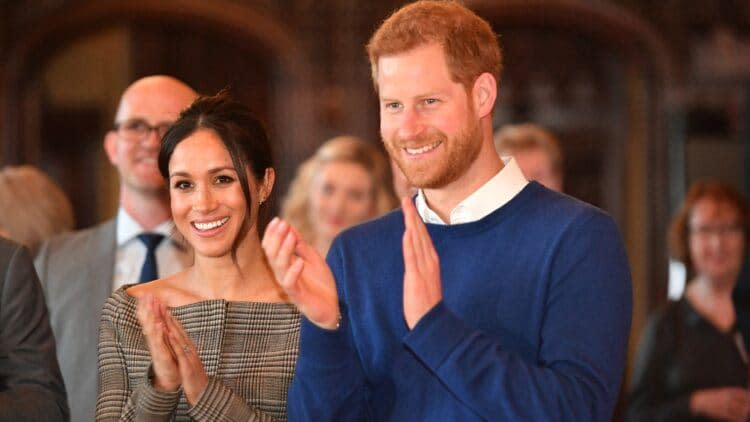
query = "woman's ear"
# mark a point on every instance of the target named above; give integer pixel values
(266, 185)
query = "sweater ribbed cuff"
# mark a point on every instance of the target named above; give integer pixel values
(436, 335)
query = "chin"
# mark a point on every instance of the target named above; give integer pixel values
(212, 253)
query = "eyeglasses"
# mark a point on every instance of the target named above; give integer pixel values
(137, 130)
(719, 230)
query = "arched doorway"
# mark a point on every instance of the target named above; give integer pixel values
(63, 78)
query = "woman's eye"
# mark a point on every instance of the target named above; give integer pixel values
(224, 179)
(182, 185)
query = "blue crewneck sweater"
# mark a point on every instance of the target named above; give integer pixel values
(533, 325)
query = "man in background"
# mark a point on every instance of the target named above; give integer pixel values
(536, 150)
(79, 271)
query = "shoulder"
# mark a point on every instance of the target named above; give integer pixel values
(560, 208)
(74, 241)
(11, 251)
(667, 318)
(16, 267)
(62, 254)
(551, 217)
(16, 270)
(121, 298)
(170, 291)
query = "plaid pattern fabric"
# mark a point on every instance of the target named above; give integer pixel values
(249, 350)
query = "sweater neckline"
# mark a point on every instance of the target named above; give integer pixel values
(516, 203)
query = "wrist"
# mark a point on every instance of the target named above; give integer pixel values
(164, 386)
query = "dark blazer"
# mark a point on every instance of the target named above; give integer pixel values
(76, 270)
(31, 387)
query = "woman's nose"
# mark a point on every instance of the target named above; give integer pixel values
(204, 199)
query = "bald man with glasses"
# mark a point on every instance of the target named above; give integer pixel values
(79, 271)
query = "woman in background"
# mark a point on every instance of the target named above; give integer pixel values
(217, 341)
(32, 207)
(692, 364)
(346, 182)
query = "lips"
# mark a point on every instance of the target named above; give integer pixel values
(423, 149)
(209, 225)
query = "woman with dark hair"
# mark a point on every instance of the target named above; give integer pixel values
(217, 341)
(692, 364)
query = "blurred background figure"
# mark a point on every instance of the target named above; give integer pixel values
(31, 386)
(32, 206)
(692, 364)
(346, 182)
(536, 150)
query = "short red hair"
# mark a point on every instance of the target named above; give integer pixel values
(471, 47)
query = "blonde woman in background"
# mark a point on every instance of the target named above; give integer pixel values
(346, 182)
(32, 206)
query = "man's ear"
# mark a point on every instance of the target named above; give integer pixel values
(266, 185)
(110, 146)
(484, 94)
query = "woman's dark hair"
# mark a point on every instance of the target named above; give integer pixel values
(239, 130)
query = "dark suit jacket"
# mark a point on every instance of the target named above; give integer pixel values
(31, 387)
(76, 271)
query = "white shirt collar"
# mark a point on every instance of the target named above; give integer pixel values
(500, 189)
(128, 228)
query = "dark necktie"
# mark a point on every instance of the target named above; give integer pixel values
(148, 271)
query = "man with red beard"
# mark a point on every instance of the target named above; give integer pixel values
(80, 270)
(486, 298)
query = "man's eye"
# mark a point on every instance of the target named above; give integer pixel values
(392, 106)
(430, 101)
(136, 125)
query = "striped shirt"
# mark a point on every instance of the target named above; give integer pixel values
(248, 349)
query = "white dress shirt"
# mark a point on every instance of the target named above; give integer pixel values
(500, 189)
(171, 255)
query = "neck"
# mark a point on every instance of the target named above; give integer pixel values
(147, 210)
(713, 301)
(487, 164)
(242, 275)
(715, 289)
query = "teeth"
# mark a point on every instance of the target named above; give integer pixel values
(211, 225)
(422, 150)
